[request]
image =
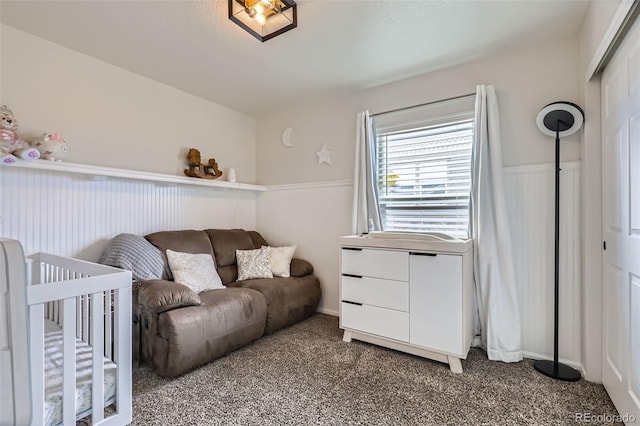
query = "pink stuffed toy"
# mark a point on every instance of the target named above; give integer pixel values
(11, 147)
(51, 146)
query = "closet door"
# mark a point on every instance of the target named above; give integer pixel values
(621, 226)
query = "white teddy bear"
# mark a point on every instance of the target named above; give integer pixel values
(11, 147)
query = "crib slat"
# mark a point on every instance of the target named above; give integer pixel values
(97, 384)
(122, 346)
(85, 320)
(69, 362)
(79, 317)
(108, 329)
(36, 354)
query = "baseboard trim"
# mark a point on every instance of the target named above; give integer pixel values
(328, 312)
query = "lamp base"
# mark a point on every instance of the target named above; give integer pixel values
(557, 371)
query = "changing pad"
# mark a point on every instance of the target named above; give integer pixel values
(54, 373)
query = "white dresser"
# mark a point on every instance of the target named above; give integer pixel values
(412, 295)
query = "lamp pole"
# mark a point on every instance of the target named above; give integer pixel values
(556, 307)
(568, 118)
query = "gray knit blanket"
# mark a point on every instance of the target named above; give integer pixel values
(134, 253)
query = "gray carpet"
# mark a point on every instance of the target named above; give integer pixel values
(306, 375)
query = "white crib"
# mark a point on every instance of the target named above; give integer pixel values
(65, 340)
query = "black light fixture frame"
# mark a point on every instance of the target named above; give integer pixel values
(288, 5)
(561, 119)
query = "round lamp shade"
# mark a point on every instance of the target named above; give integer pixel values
(566, 118)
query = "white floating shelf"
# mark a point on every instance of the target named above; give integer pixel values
(100, 173)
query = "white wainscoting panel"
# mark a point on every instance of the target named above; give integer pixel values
(315, 215)
(530, 204)
(312, 216)
(73, 215)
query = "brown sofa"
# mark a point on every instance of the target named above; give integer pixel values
(182, 330)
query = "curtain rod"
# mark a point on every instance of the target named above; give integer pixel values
(421, 105)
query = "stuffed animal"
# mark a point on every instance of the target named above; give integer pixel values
(12, 147)
(196, 168)
(51, 146)
(212, 169)
(199, 170)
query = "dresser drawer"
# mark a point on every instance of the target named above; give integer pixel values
(387, 264)
(379, 321)
(377, 292)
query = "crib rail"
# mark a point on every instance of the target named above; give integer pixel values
(91, 303)
(15, 392)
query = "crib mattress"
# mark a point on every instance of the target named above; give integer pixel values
(54, 374)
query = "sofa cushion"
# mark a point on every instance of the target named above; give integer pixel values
(257, 239)
(281, 260)
(190, 337)
(185, 241)
(196, 271)
(289, 300)
(300, 267)
(159, 295)
(225, 242)
(228, 274)
(254, 263)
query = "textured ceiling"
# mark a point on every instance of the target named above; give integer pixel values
(338, 45)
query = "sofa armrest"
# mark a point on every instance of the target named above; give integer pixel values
(160, 296)
(300, 267)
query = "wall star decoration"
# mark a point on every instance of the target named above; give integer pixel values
(324, 155)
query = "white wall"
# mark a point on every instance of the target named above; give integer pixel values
(594, 26)
(112, 117)
(525, 81)
(312, 216)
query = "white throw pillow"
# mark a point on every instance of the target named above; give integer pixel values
(254, 263)
(196, 271)
(281, 260)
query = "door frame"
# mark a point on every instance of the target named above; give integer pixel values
(592, 221)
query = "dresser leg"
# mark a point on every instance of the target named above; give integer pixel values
(347, 336)
(454, 364)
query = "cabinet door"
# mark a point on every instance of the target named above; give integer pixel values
(435, 306)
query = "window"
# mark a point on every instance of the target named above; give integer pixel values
(424, 167)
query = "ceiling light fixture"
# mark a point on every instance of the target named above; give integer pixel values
(264, 19)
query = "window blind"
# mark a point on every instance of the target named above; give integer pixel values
(424, 173)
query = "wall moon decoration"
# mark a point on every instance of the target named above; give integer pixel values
(286, 137)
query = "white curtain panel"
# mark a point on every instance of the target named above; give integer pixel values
(493, 264)
(365, 191)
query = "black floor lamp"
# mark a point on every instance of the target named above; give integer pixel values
(558, 119)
